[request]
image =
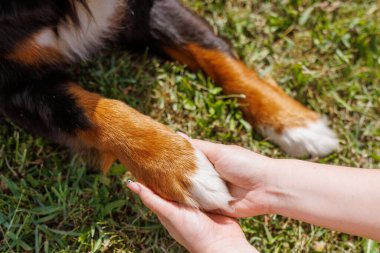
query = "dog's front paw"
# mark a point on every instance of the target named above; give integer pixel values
(157, 157)
(170, 166)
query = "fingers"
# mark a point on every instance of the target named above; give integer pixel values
(151, 200)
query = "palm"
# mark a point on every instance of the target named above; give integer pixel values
(243, 183)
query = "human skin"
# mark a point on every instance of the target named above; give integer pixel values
(340, 198)
(195, 230)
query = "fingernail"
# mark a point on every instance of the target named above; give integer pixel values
(183, 135)
(129, 181)
(133, 186)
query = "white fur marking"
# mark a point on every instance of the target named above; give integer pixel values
(316, 139)
(93, 30)
(208, 190)
(46, 38)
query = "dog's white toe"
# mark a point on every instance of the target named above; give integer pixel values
(208, 191)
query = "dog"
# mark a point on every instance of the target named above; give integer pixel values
(39, 39)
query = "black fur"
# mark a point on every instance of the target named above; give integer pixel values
(174, 25)
(137, 31)
(41, 104)
(168, 23)
(36, 97)
(20, 18)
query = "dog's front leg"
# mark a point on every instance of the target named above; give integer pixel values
(164, 161)
(157, 156)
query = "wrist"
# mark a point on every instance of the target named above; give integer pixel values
(285, 185)
(276, 186)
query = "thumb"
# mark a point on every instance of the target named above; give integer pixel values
(210, 149)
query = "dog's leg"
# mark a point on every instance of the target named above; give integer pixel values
(62, 111)
(188, 39)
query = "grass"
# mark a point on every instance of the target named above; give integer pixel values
(325, 54)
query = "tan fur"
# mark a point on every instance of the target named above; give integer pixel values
(29, 52)
(183, 57)
(265, 103)
(154, 154)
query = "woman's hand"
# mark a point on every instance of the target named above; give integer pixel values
(195, 230)
(247, 174)
(335, 197)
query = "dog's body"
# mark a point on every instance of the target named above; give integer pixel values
(38, 39)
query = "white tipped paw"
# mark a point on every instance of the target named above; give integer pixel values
(315, 139)
(208, 190)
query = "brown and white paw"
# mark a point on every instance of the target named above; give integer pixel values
(174, 169)
(162, 160)
(315, 139)
(208, 191)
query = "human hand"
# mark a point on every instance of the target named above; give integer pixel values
(246, 173)
(195, 230)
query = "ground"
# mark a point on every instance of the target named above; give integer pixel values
(326, 54)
